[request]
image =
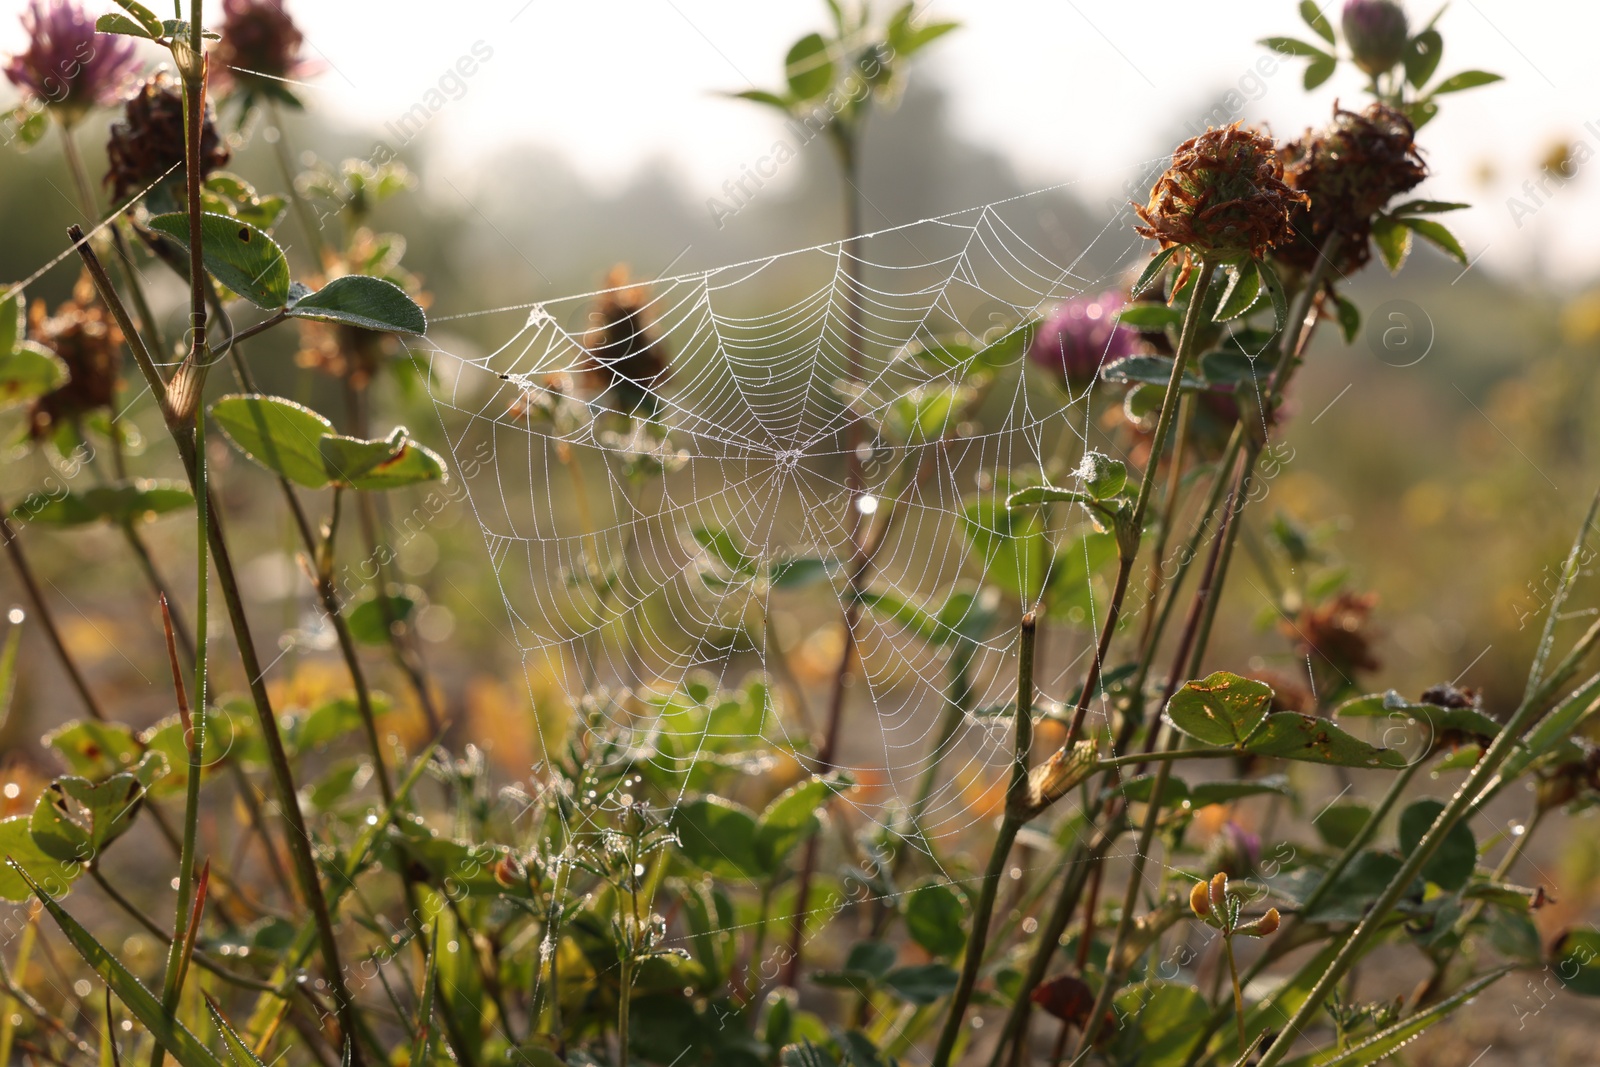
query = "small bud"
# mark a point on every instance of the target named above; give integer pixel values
(1061, 773)
(1218, 891)
(1200, 900)
(1265, 926)
(509, 873)
(1376, 32)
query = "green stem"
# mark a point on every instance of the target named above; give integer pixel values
(1187, 343)
(30, 586)
(1010, 823)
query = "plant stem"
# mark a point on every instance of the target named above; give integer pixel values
(298, 837)
(30, 586)
(1012, 821)
(1187, 343)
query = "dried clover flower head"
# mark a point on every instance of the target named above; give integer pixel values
(625, 358)
(1376, 32)
(1338, 630)
(148, 141)
(1223, 196)
(83, 336)
(1348, 173)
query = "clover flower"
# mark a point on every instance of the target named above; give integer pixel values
(1080, 336)
(1348, 172)
(67, 66)
(260, 50)
(149, 140)
(1223, 197)
(1338, 631)
(625, 359)
(83, 336)
(1376, 32)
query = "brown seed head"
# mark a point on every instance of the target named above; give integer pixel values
(1224, 195)
(1348, 172)
(625, 359)
(88, 342)
(148, 141)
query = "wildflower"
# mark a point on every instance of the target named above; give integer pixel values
(1376, 32)
(259, 53)
(67, 66)
(1348, 173)
(625, 359)
(83, 336)
(1223, 196)
(1081, 336)
(1265, 926)
(1336, 630)
(149, 141)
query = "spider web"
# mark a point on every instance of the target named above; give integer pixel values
(606, 586)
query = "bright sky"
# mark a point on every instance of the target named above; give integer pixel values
(1067, 89)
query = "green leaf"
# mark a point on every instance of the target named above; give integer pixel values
(871, 959)
(240, 1053)
(1147, 316)
(934, 916)
(1149, 370)
(1554, 728)
(789, 820)
(1452, 865)
(1011, 546)
(120, 24)
(1290, 46)
(17, 843)
(1438, 235)
(1313, 16)
(1222, 709)
(13, 322)
(1423, 53)
(1288, 735)
(182, 1045)
(1393, 240)
(1164, 1018)
(807, 67)
(1427, 207)
(137, 502)
(720, 546)
(229, 194)
(1467, 79)
(411, 465)
(1349, 320)
(94, 749)
(719, 837)
(369, 621)
(142, 15)
(761, 96)
(1152, 271)
(348, 458)
(1047, 494)
(237, 254)
(370, 303)
(280, 435)
(922, 983)
(1341, 822)
(1439, 720)
(1319, 70)
(1575, 957)
(1275, 293)
(1244, 290)
(8, 671)
(801, 571)
(30, 371)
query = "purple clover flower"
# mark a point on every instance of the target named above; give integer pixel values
(1081, 336)
(68, 67)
